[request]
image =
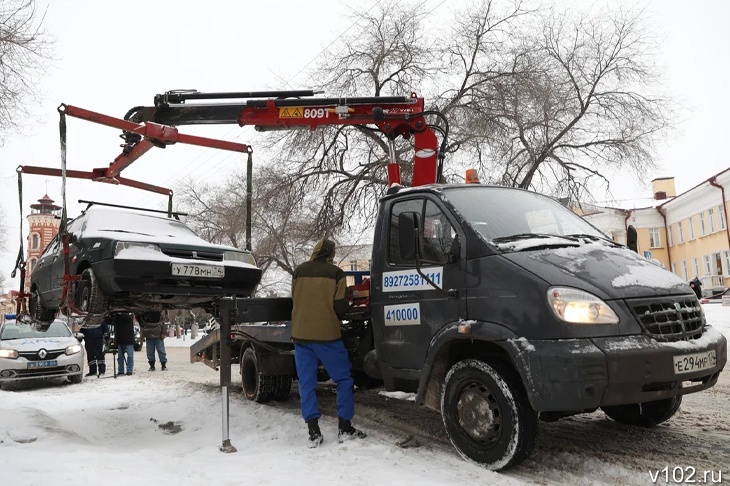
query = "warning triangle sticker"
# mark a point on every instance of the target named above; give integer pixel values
(285, 113)
(297, 113)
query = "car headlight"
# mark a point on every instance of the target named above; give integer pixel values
(579, 307)
(129, 245)
(73, 349)
(239, 256)
(8, 353)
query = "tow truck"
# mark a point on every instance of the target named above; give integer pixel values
(497, 306)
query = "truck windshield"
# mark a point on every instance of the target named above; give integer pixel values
(504, 214)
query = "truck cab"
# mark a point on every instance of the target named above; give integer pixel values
(498, 305)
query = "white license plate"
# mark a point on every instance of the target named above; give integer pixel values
(42, 364)
(687, 363)
(196, 270)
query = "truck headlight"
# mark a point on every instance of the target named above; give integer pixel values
(8, 353)
(73, 349)
(131, 245)
(579, 307)
(239, 256)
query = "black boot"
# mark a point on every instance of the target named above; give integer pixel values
(347, 431)
(164, 366)
(152, 366)
(315, 435)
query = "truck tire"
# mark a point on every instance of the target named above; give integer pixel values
(38, 310)
(256, 387)
(282, 387)
(487, 414)
(647, 414)
(90, 298)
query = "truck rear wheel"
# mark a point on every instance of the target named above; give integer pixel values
(647, 414)
(257, 387)
(487, 415)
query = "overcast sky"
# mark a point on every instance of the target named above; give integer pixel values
(111, 58)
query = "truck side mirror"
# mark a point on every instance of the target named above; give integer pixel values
(408, 238)
(631, 239)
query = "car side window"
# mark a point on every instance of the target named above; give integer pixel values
(407, 206)
(52, 247)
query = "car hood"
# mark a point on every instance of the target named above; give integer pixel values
(607, 272)
(171, 240)
(34, 344)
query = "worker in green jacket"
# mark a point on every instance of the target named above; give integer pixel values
(320, 302)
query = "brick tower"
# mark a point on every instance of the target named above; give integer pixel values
(44, 220)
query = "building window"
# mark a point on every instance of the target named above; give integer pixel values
(696, 267)
(680, 233)
(726, 256)
(353, 265)
(706, 260)
(35, 241)
(670, 236)
(654, 239)
(691, 229)
(684, 270)
(674, 268)
(703, 231)
(711, 217)
(721, 213)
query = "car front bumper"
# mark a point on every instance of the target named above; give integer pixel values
(17, 369)
(584, 374)
(155, 277)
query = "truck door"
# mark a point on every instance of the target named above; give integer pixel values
(412, 311)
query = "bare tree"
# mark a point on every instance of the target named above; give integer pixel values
(24, 50)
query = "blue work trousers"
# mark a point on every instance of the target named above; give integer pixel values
(159, 345)
(129, 350)
(333, 356)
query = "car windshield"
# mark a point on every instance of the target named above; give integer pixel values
(104, 219)
(503, 214)
(21, 330)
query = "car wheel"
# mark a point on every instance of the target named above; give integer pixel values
(647, 414)
(89, 297)
(256, 387)
(38, 310)
(487, 415)
(76, 379)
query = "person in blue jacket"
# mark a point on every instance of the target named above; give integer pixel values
(94, 338)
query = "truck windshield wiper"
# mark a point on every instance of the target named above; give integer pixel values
(527, 236)
(586, 236)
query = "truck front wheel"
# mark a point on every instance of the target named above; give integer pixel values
(487, 415)
(647, 414)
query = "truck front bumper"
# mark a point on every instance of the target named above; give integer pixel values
(584, 374)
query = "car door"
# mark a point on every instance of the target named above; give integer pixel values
(58, 268)
(41, 276)
(413, 310)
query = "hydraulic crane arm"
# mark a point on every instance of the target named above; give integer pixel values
(279, 110)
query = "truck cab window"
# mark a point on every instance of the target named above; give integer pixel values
(407, 206)
(438, 234)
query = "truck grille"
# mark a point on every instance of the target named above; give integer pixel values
(194, 255)
(670, 319)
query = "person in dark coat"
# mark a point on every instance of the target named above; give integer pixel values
(320, 301)
(94, 343)
(124, 335)
(154, 340)
(696, 285)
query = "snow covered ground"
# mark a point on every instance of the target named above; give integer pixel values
(165, 428)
